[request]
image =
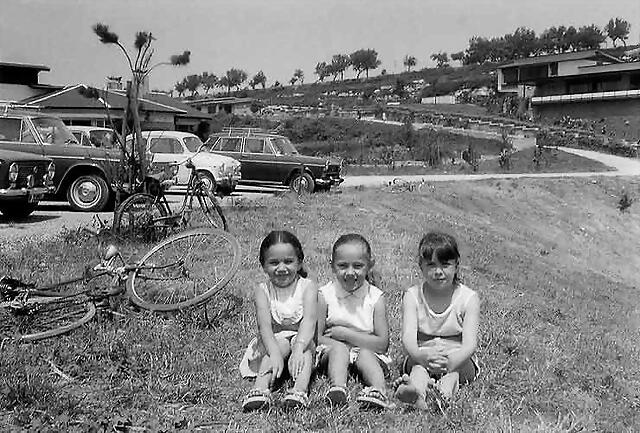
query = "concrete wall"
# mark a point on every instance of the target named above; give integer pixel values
(622, 117)
(571, 67)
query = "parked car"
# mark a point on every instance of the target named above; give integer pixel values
(84, 174)
(24, 180)
(95, 136)
(220, 173)
(272, 160)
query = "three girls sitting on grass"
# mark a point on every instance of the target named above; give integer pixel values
(347, 320)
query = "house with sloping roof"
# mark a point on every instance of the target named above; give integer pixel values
(595, 86)
(75, 106)
(228, 104)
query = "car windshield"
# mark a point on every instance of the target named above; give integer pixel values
(192, 143)
(53, 131)
(283, 146)
(104, 139)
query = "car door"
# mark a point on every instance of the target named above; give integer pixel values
(169, 150)
(258, 161)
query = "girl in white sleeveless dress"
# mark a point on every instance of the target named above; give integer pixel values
(286, 315)
(352, 325)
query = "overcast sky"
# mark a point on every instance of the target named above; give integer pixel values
(275, 36)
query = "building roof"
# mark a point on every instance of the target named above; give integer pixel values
(25, 65)
(71, 97)
(564, 57)
(227, 100)
(172, 102)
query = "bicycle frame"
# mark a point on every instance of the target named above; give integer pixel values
(182, 216)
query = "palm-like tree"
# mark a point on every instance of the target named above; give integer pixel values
(409, 62)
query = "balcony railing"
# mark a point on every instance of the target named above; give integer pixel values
(586, 97)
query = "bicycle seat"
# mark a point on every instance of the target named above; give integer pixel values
(189, 164)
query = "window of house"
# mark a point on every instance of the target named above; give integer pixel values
(553, 69)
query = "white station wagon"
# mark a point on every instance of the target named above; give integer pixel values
(220, 173)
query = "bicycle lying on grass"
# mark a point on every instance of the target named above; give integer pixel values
(148, 214)
(183, 271)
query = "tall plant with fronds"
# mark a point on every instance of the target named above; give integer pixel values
(140, 65)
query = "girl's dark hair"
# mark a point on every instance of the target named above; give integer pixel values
(443, 245)
(355, 238)
(283, 237)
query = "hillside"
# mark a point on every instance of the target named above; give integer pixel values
(554, 262)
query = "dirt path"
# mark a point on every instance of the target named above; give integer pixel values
(622, 167)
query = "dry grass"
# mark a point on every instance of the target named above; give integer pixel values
(553, 260)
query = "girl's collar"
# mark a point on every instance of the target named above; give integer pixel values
(359, 293)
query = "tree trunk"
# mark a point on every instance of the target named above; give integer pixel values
(140, 147)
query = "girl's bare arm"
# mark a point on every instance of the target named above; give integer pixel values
(378, 341)
(469, 335)
(309, 317)
(322, 320)
(410, 326)
(264, 321)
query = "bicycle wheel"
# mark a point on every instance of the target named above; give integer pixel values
(210, 208)
(184, 270)
(136, 217)
(46, 317)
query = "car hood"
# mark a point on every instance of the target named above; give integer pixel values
(214, 159)
(13, 155)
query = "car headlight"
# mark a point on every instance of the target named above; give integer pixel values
(13, 173)
(51, 171)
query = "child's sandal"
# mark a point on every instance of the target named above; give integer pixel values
(257, 399)
(336, 396)
(374, 398)
(296, 399)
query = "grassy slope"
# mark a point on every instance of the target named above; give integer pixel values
(554, 262)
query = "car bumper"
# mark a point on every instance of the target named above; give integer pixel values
(33, 194)
(329, 181)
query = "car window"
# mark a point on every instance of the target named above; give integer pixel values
(27, 134)
(78, 136)
(53, 131)
(165, 145)
(192, 143)
(103, 139)
(228, 144)
(283, 146)
(254, 145)
(10, 129)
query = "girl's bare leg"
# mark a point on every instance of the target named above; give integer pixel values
(263, 380)
(369, 366)
(302, 381)
(338, 355)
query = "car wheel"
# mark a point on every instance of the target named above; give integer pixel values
(302, 183)
(18, 210)
(208, 181)
(88, 193)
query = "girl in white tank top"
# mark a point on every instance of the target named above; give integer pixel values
(439, 325)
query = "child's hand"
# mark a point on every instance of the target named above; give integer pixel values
(296, 363)
(339, 333)
(434, 358)
(277, 365)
